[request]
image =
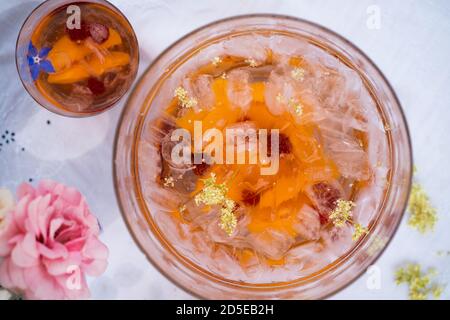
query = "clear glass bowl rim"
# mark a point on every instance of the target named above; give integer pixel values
(189, 288)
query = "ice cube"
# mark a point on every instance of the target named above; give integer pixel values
(303, 254)
(336, 241)
(347, 153)
(272, 243)
(324, 196)
(288, 46)
(224, 263)
(167, 147)
(200, 88)
(248, 46)
(238, 238)
(239, 91)
(280, 89)
(307, 223)
(244, 137)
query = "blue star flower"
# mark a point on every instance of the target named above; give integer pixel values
(38, 61)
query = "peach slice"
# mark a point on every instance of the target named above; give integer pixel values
(73, 74)
(66, 52)
(113, 40)
(83, 70)
(112, 60)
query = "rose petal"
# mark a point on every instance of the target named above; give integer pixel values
(44, 217)
(95, 268)
(76, 245)
(57, 251)
(5, 278)
(7, 231)
(25, 253)
(74, 285)
(31, 224)
(61, 266)
(20, 213)
(25, 190)
(16, 275)
(95, 249)
(41, 285)
(55, 224)
(46, 186)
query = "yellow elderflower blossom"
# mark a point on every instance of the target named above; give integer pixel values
(251, 62)
(298, 109)
(216, 61)
(212, 193)
(228, 220)
(342, 212)
(423, 215)
(169, 182)
(358, 231)
(296, 106)
(298, 74)
(216, 194)
(291, 103)
(420, 286)
(183, 98)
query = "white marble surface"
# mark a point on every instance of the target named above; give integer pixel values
(412, 48)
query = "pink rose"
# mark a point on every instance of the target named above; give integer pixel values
(49, 242)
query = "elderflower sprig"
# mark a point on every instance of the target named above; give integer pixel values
(228, 220)
(423, 215)
(292, 103)
(419, 283)
(212, 193)
(342, 213)
(298, 74)
(216, 61)
(358, 231)
(169, 182)
(216, 194)
(251, 62)
(183, 98)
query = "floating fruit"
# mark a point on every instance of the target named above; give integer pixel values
(78, 34)
(96, 86)
(66, 52)
(98, 32)
(95, 68)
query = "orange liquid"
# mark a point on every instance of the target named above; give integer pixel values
(90, 74)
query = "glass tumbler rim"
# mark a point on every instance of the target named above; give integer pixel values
(49, 106)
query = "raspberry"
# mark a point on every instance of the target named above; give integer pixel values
(96, 86)
(201, 168)
(98, 32)
(250, 198)
(78, 34)
(284, 144)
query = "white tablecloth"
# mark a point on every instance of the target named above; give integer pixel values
(412, 48)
